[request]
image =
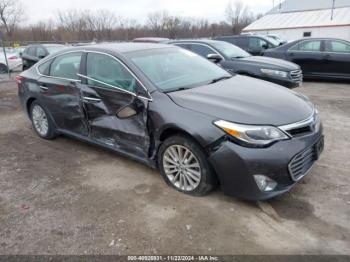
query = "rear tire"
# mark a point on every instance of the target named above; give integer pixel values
(184, 166)
(41, 121)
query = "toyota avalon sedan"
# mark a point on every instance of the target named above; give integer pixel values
(174, 110)
(236, 60)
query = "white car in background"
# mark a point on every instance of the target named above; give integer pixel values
(13, 58)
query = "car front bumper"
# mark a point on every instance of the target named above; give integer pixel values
(236, 166)
(286, 82)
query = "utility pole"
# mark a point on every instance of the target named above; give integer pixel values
(333, 5)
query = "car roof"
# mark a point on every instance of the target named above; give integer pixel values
(203, 41)
(123, 48)
(153, 39)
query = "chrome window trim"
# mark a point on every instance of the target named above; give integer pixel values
(114, 87)
(331, 52)
(303, 51)
(51, 58)
(79, 81)
(121, 89)
(205, 45)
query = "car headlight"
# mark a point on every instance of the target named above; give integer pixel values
(271, 72)
(252, 135)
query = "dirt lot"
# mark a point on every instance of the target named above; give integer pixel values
(66, 197)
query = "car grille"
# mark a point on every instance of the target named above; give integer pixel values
(312, 124)
(302, 163)
(296, 75)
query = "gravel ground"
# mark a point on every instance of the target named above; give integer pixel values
(66, 197)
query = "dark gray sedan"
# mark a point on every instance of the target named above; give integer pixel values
(174, 110)
(236, 60)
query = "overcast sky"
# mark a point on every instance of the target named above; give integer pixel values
(212, 9)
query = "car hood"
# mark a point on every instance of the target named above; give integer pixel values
(270, 63)
(246, 100)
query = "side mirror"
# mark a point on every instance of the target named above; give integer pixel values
(127, 111)
(216, 58)
(265, 46)
(20, 54)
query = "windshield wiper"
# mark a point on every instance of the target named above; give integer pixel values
(219, 79)
(177, 89)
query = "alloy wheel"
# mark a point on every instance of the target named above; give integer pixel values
(182, 167)
(40, 120)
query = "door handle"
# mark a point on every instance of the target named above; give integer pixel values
(91, 99)
(44, 88)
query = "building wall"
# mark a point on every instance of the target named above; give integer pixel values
(342, 32)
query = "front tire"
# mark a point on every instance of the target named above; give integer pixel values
(184, 166)
(41, 121)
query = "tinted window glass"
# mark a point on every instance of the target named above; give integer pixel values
(40, 52)
(173, 68)
(31, 51)
(54, 49)
(105, 71)
(230, 50)
(338, 47)
(255, 43)
(186, 46)
(311, 46)
(66, 66)
(201, 50)
(44, 68)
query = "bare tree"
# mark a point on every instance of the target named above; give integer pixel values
(11, 14)
(237, 15)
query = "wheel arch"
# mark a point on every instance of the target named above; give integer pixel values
(29, 104)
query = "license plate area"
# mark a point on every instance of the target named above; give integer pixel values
(319, 147)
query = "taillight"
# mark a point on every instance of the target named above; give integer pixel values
(19, 79)
(12, 58)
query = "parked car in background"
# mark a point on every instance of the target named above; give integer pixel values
(34, 53)
(277, 38)
(236, 60)
(174, 110)
(155, 40)
(13, 59)
(317, 57)
(253, 44)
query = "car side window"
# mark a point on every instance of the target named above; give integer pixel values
(66, 66)
(255, 43)
(307, 46)
(40, 52)
(31, 51)
(201, 50)
(107, 72)
(337, 47)
(44, 68)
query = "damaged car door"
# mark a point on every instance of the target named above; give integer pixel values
(58, 86)
(116, 116)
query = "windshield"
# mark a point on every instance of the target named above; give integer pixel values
(230, 50)
(271, 40)
(171, 69)
(54, 49)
